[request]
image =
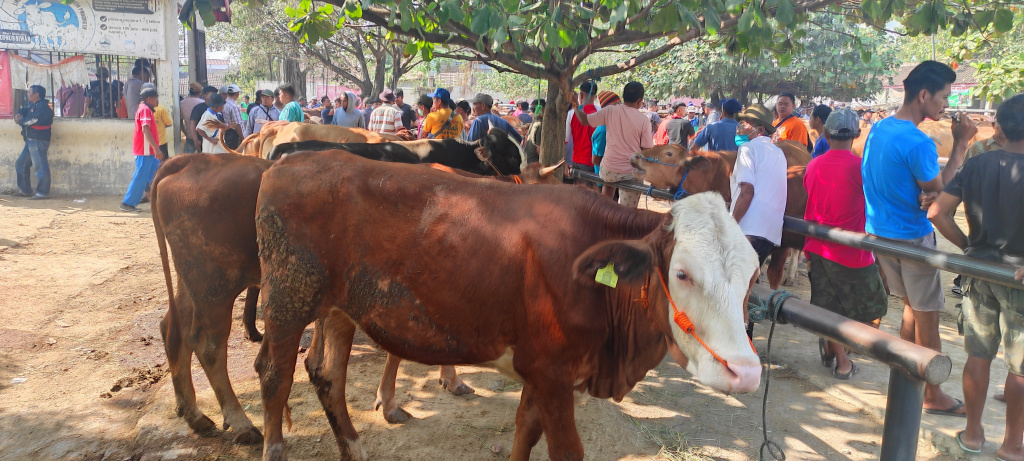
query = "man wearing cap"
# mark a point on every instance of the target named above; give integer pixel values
(442, 122)
(844, 280)
(210, 125)
(758, 182)
(195, 90)
(629, 132)
(262, 113)
(232, 116)
(580, 134)
(720, 135)
(292, 110)
(481, 104)
(387, 118)
(197, 114)
(144, 146)
(691, 116)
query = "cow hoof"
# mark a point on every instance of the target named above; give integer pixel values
(463, 389)
(249, 437)
(275, 452)
(397, 416)
(203, 425)
(254, 336)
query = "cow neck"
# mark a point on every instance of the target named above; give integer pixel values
(621, 222)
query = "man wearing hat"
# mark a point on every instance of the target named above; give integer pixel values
(481, 104)
(758, 181)
(232, 116)
(691, 116)
(387, 118)
(442, 122)
(210, 124)
(261, 113)
(843, 279)
(144, 146)
(720, 135)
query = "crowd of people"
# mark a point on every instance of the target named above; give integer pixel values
(896, 191)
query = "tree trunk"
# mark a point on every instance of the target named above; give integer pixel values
(552, 148)
(292, 74)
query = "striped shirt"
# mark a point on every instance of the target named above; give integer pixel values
(385, 119)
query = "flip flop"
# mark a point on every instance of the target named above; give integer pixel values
(845, 376)
(963, 447)
(951, 411)
(827, 360)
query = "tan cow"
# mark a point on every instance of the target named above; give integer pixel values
(274, 133)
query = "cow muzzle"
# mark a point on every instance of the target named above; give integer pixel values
(639, 172)
(743, 378)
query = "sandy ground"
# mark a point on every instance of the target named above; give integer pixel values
(82, 375)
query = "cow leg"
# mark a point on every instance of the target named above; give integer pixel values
(275, 365)
(450, 380)
(528, 428)
(555, 406)
(393, 413)
(174, 330)
(252, 295)
(211, 345)
(792, 267)
(776, 266)
(327, 364)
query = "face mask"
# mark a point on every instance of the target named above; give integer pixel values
(741, 139)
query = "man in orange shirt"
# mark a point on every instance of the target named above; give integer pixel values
(788, 126)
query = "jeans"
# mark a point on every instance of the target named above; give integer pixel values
(145, 170)
(34, 154)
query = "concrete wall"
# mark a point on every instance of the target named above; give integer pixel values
(86, 156)
(94, 156)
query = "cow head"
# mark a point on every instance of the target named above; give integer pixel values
(534, 173)
(708, 267)
(663, 166)
(502, 150)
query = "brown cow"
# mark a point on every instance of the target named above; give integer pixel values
(671, 162)
(203, 208)
(273, 133)
(448, 270)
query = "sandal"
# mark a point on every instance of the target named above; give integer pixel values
(969, 451)
(845, 376)
(827, 360)
(951, 411)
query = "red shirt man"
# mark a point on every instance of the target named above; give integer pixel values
(582, 148)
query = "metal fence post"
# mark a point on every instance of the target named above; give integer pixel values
(902, 417)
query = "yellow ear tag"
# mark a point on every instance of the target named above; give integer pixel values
(606, 276)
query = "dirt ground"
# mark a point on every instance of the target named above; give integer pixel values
(82, 375)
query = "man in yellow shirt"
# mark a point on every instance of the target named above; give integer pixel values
(442, 122)
(788, 126)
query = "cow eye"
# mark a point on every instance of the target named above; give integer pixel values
(681, 275)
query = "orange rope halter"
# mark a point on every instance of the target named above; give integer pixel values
(686, 325)
(517, 179)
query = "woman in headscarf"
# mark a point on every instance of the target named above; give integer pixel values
(346, 114)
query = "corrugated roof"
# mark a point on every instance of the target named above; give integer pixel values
(964, 75)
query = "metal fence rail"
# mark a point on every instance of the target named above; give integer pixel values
(911, 365)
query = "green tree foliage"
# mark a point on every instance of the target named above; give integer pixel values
(356, 53)
(552, 39)
(833, 59)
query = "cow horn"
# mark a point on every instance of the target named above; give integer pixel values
(549, 170)
(482, 153)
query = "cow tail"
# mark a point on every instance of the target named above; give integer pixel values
(172, 334)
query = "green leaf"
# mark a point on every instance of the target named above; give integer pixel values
(984, 18)
(410, 48)
(564, 40)
(326, 9)
(1003, 20)
(664, 20)
(480, 21)
(618, 14)
(784, 13)
(455, 10)
(785, 59)
(746, 20)
(734, 5)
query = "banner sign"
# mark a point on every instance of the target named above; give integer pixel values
(118, 27)
(6, 101)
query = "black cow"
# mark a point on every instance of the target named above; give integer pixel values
(496, 146)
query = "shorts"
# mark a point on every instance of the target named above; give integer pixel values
(920, 283)
(994, 313)
(762, 246)
(163, 149)
(626, 197)
(853, 292)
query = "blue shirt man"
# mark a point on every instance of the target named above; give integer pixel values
(897, 155)
(720, 135)
(485, 119)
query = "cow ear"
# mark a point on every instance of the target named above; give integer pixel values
(631, 260)
(482, 153)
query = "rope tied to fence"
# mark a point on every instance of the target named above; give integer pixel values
(759, 309)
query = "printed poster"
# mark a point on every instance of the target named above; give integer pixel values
(6, 98)
(119, 27)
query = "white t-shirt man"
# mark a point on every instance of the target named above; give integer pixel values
(762, 165)
(209, 147)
